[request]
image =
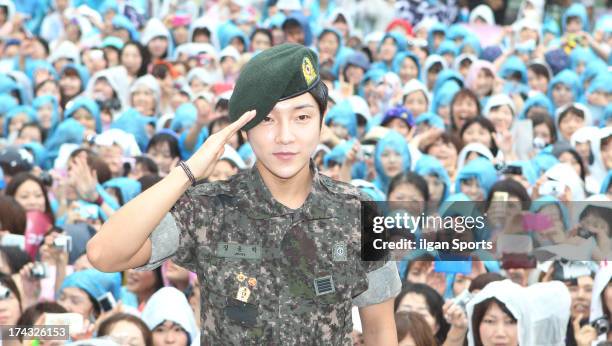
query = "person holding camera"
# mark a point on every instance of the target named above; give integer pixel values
(276, 248)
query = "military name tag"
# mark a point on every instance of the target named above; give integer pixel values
(244, 251)
(339, 252)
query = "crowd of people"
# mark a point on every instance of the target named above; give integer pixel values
(429, 102)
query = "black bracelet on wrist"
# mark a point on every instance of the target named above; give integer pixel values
(188, 172)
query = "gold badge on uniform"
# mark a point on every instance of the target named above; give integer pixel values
(252, 282)
(240, 277)
(308, 71)
(243, 294)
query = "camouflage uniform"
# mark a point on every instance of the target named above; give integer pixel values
(301, 267)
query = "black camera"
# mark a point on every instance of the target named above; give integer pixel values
(601, 325)
(584, 233)
(46, 179)
(38, 271)
(513, 170)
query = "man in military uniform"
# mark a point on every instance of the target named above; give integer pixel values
(276, 248)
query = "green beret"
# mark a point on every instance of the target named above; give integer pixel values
(276, 74)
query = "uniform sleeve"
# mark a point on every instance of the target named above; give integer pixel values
(164, 243)
(382, 276)
(383, 283)
(188, 222)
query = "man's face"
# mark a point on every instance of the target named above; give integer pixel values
(286, 138)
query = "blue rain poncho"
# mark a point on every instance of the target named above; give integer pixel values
(537, 100)
(568, 78)
(342, 114)
(129, 188)
(94, 282)
(576, 10)
(544, 201)
(90, 105)
(184, 117)
(396, 142)
(429, 165)
(227, 32)
(68, 131)
(27, 110)
(480, 168)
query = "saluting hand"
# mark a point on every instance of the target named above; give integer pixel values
(203, 161)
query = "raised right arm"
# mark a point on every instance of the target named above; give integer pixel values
(123, 242)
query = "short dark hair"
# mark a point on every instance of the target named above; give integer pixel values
(412, 179)
(31, 314)
(96, 163)
(409, 323)
(539, 69)
(545, 118)
(487, 124)
(19, 179)
(512, 187)
(579, 112)
(320, 94)
(434, 304)
(148, 163)
(173, 144)
(107, 325)
(484, 279)
(149, 180)
(479, 311)
(264, 31)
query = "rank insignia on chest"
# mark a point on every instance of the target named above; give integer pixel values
(324, 285)
(339, 252)
(243, 294)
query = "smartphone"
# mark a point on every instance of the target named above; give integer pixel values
(107, 302)
(552, 188)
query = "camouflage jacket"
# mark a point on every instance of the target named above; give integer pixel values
(271, 275)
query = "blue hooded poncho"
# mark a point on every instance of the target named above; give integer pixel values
(129, 188)
(227, 32)
(480, 168)
(592, 70)
(581, 55)
(94, 282)
(568, 78)
(44, 100)
(90, 105)
(400, 43)
(38, 151)
(473, 42)
(27, 110)
(543, 201)
(131, 121)
(396, 142)
(303, 21)
(457, 32)
(7, 102)
(398, 61)
(342, 53)
(338, 153)
(432, 119)
(68, 131)
(81, 71)
(448, 47)
(447, 75)
(436, 28)
(511, 65)
(9, 86)
(184, 117)
(444, 96)
(342, 114)
(544, 160)
(429, 165)
(122, 22)
(35, 65)
(537, 100)
(576, 10)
